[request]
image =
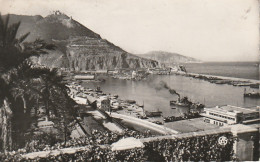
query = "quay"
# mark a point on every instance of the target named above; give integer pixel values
(227, 78)
(252, 83)
(159, 128)
(242, 80)
(102, 110)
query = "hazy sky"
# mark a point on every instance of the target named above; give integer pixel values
(210, 30)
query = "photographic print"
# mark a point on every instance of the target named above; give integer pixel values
(129, 80)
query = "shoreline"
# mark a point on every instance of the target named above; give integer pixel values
(159, 128)
(118, 113)
(132, 114)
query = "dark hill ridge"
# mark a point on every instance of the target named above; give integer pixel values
(55, 26)
(78, 48)
(168, 58)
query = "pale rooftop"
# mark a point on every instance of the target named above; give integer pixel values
(234, 109)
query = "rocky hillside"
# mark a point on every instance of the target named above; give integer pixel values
(78, 48)
(168, 58)
(91, 53)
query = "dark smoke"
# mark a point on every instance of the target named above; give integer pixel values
(163, 85)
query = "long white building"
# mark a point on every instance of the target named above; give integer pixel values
(228, 115)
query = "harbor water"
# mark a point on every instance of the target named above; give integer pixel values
(247, 70)
(156, 97)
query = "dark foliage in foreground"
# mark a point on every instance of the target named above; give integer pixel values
(25, 87)
(201, 148)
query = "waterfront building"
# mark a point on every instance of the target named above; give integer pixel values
(101, 72)
(84, 77)
(159, 71)
(229, 115)
(112, 72)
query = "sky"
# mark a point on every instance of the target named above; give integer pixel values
(209, 30)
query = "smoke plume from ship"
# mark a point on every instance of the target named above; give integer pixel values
(163, 85)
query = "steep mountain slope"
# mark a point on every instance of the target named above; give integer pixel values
(56, 26)
(78, 48)
(168, 58)
(90, 53)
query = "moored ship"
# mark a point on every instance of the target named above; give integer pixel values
(153, 113)
(251, 94)
(178, 104)
(181, 103)
(185, 103)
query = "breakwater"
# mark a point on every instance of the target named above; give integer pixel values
(224, 80)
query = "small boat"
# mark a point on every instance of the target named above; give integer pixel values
(131, 101)
(113, 96)
(101, 80)
(252, 95)
(153, 113)
(116, 96)
(143, 117)
(157, 122)
(254, 86)
(98, 89)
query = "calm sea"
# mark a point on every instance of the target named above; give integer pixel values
(155, 97)
(248, 70)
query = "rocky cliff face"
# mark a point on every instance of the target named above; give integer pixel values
(78, 48)
(86, 53)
